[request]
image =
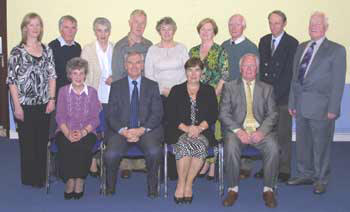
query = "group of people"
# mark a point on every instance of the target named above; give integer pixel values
(158, 93)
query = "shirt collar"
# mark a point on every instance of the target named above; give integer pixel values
(245, 81)
(138, 80)
(319, 41)
(63, 42)
(85, 89)
(130, 41)
(238, 40)
(278, 38)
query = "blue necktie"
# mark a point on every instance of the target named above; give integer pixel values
(134, 106)
(305, 62)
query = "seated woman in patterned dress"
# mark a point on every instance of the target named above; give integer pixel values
(191, 108)
(77, 117)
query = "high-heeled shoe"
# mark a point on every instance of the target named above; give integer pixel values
(210, 178)
(68, 196)
(78, 195)
(178, 200)
(96, 173)
(188, 200)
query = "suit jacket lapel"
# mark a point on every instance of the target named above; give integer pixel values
(256, 98)
(317, 58)
(281, 45)
(142, 96)
(243, 97)
(126, 95)
(94, 54)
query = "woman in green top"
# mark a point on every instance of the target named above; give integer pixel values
(215, 73)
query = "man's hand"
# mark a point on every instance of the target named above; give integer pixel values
(133, 135)
(257, 136)
(331, 116)
(243, 136)
(292, 112)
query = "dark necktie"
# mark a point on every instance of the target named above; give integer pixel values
(134, 106)
(305, 62)
(233, 43)
(273, 46)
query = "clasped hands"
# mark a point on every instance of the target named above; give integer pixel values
(250, 138)
(194, 131)
(133, 135)
(76, 135)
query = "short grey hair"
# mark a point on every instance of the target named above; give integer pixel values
(244, 23)
(102, 21)
(132, 53)
(137, 12)
(67, 17)
(321, 14)
(77, 63)
(257, 60)
(166, 21)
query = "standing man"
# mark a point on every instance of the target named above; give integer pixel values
(238, 45)
(247, 123)
(135, 115)
(64, 48)
(235, 47)
(315, 97)
(134, 41)
(277, 51)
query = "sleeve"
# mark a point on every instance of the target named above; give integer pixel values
(212, 116)
(51, 64)
(85, 55)
(61, 108)
(184, 57)
(338, 80)
(95, 109)
(225, 110)
(271, 114)
(171, 112)
(149, 69)
(113, 116)
(291, 101)
(223, 65)
(13, 65)
(156, 110)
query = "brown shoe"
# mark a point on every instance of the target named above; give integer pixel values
(270, 200)
(125, 174)
(244, 174)
(230, 199)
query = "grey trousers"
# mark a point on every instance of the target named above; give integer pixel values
(150, 144)
(313, 148)
(232, 158)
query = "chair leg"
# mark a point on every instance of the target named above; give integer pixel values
(165, 170)
(102, 172)
(48, 166)
(221, 170)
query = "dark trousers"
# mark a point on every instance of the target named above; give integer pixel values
(117, 147)
(75, 158)
(33, 135)
(284, 137)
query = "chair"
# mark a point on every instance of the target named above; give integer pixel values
(52, 150)
(211, 152)
(133, 152)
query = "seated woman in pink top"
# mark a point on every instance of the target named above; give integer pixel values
(77, 117)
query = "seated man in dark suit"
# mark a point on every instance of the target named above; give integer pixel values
(134, 113)
(248, 122)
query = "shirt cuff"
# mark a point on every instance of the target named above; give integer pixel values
(121, 129)
(236, 130)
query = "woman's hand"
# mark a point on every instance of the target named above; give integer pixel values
(50, 106)
(19, 114)
(194, 131)
(109, 80)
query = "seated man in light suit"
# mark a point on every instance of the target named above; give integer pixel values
(248, 123)
(134, 113)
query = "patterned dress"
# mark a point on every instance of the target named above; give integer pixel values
(191, 147)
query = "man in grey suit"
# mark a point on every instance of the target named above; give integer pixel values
(134, 113)
(248, 114)
(315, 98)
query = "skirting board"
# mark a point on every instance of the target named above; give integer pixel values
(341, 137)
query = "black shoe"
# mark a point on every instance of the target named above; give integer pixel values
(283, 177)
(94, 174)
(152, 192)
(78, 195)
(178, 200)
(210, 178)
(68, 196)
(259, 174)
(188, 200)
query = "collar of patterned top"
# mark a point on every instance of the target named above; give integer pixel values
(85, 89)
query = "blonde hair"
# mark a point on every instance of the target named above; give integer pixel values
(25, 21)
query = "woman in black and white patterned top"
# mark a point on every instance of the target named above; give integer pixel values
(191, 108)
(31, 79)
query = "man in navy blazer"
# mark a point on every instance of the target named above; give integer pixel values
(148, 133)
(277, 51)
(315, 98)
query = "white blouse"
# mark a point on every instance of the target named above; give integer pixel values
(166, 65)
